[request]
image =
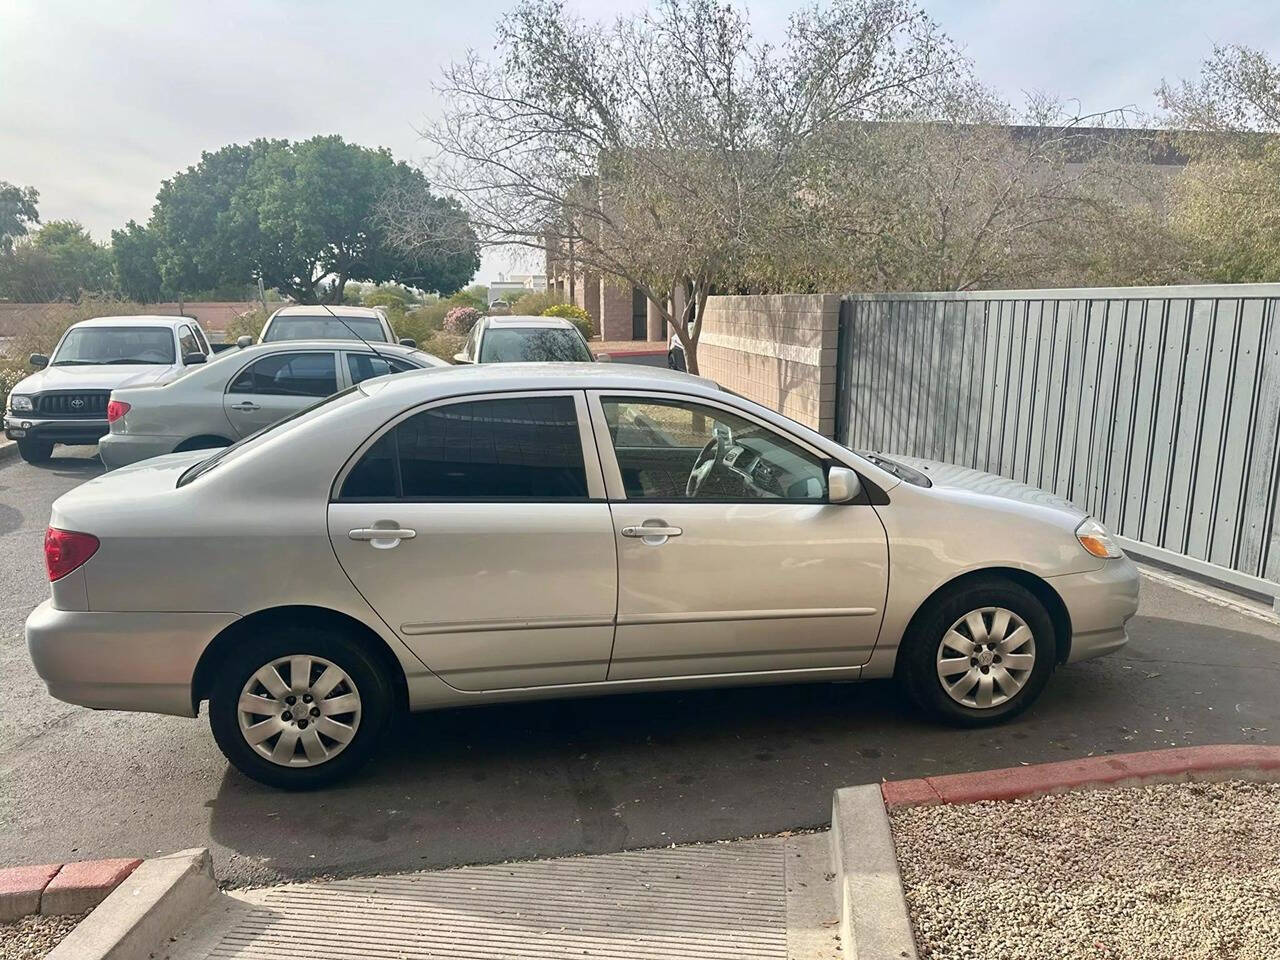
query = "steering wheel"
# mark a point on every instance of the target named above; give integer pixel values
(709, 457)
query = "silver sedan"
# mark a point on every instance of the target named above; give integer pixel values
(241, 391)
(509, 531)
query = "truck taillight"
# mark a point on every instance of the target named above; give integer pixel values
(65, 550)
(116, 409)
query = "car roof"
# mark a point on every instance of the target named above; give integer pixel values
(503, 377)
(376, 346)
(323, 310)
(137, 320)
(528, 321)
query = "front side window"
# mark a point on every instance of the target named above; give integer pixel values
(325, 327)
(93, 345)
(289, 374)
(187, 340)
(532, 344)
(525, 448)
(675, 450)
(362, 366)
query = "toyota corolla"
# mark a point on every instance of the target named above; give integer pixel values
(510, 531)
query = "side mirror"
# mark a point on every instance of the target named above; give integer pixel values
(408, 342)
(243, 342)
(843, 485)
(603, 358)
(460, 358)
(38, 360)
(189, 358)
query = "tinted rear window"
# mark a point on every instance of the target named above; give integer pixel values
(325, 328)
(538, 344)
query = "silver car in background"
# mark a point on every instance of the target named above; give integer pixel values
(240, 392)
(503, 532)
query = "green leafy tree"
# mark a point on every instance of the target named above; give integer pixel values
(133, 254)
(305, 218)
(17, 213)
(60, 261)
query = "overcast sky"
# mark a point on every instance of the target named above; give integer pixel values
(100, 101)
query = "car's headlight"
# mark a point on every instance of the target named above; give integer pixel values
(19, 403)
(1093, 537)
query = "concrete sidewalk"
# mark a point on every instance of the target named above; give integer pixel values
(765, 898)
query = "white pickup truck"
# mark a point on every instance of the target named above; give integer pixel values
(66, 400)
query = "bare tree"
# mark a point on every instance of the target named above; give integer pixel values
(670, 150)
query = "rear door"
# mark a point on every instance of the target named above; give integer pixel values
(478, 530)
(272, 387)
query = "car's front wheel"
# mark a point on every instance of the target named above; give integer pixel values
(35, 451)
(982, 652)
(300, 708)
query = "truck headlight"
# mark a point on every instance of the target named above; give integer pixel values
(1093, 537)
(19, 404)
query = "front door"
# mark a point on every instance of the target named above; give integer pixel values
(477, 529)
(730, 560)
(277, 385)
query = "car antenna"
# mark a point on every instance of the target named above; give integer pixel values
(352, 331)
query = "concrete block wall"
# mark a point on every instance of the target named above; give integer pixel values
(779, 350)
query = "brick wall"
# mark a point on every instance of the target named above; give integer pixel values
(777, 350)
(614, 322)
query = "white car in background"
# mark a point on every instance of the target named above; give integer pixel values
(66, 401)
(322, 322)
(525, 340)
(241, 392)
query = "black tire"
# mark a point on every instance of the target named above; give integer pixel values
(35, 451)
(322, 641)
(918, 658)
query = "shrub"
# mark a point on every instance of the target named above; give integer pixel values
(533, 304)
(442, 345)
(575, 315)
(247, 324)
(460, 320)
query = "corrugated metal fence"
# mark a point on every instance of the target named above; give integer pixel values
(1157, 409)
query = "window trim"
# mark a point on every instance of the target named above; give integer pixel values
(613, 473)
(337, 370)
(586, 438)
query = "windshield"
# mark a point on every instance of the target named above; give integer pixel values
(899, 470)
(515, 345)
(325, 328)
(95, 345)
(204, 466)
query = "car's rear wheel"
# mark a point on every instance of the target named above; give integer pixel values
(301, 708)
(980, 653)
(35, 451)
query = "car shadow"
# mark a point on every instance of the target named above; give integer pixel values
(517, 781)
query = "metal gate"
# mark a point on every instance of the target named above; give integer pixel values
(1157, 409)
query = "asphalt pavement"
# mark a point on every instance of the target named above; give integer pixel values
(488, 784)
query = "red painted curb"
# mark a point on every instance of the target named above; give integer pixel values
(20, 889)
(635, 353)
(81, 886)
(1180, 763)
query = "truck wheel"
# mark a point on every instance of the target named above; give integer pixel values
(35, 451)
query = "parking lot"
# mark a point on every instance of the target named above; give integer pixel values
(496, 783)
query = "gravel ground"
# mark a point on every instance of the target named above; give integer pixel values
(32, 937)
(1185, 871)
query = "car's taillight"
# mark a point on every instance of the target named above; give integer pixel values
(116, 409)
(65, 550)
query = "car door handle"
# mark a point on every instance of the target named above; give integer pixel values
(245, 406)
(652, 532)
(382, 538)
